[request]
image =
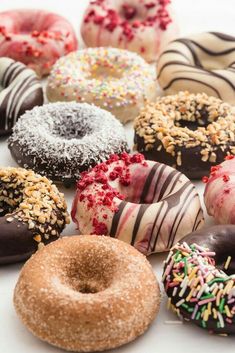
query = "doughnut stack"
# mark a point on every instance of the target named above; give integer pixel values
(96, 290)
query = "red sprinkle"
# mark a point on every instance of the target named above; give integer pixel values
(100, 228)
(226, 178)
(205, 179)
(230, 156)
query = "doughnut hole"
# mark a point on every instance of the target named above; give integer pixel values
(71, 128)
(90, 271)
(193, 122)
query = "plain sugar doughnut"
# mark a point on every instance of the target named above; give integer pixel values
(87, 293)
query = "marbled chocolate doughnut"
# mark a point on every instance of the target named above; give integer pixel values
(32, 213)
(146, 204)
(202, 62)
(20, 90)
(190, 132)
(61, 140)
(199, 277)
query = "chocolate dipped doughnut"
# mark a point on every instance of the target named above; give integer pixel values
(203, 62)
(144, 203)
(61, 140)
(199, 277)
(32, 213)
(20, 90)
(97, 306)
(190, 132)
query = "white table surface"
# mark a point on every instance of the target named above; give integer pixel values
(193, 16)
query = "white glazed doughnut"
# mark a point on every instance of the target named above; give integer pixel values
(114, 79)
(144, 203)
(142, 26)
(200, 63)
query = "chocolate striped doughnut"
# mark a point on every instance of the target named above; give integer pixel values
(20, 90)
(144, 203)
(203, 62)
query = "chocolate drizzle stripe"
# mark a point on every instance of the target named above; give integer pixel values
(116, 218)
(154, 225)
(213, 53)
(188, 44)
(223, 36)
(167, 183)
(191, 188)
(196, 219)
(208, 73)
(183, 210)
(138, 220)
(174, 51)
(7, 74)
(194, 80)
(163, 167)
(148, 182)
(174, 184)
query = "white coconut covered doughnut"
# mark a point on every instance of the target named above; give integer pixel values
(142, 26)
(202, 62)
(114, 79)
(78, 295)
(144, 203)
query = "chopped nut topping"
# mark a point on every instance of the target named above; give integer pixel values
(167, 120)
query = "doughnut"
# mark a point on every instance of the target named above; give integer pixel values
(199, 279)
(61, 140)
(32, 213)
(190, 132)
(219, 194)
(144, 26)
(76, 293)
(20, 90)
(144, 203)
(203, 62)
(36, 38)
(113, 79)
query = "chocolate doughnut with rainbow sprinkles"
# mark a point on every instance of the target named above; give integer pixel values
(190, 132)
(203, 62)
(199, 278)
(144, 203)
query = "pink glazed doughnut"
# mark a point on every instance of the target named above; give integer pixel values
(143, 26)
(144, 203)
(35, 37)
(219, 195)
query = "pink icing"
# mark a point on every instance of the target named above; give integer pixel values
(35, 37)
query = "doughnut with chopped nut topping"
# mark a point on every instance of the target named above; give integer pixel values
(32, 213)
(87, 293)
(190, 132)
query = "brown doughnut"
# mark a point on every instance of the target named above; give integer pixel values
(87, 293)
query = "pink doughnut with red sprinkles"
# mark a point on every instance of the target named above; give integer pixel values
(143, 26)
(35, 37)
(219, 195)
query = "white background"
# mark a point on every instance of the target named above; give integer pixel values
(193, 16)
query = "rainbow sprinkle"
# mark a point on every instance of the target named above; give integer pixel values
(197, 290)
(108, 76)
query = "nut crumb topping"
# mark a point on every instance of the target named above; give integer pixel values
(214, 123)
(33, 199)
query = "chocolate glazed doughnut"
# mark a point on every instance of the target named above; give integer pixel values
(205, 294)
(32, 213)
(20, 90)
(190, 132)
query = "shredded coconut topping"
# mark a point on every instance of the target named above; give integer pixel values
(62, 139)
